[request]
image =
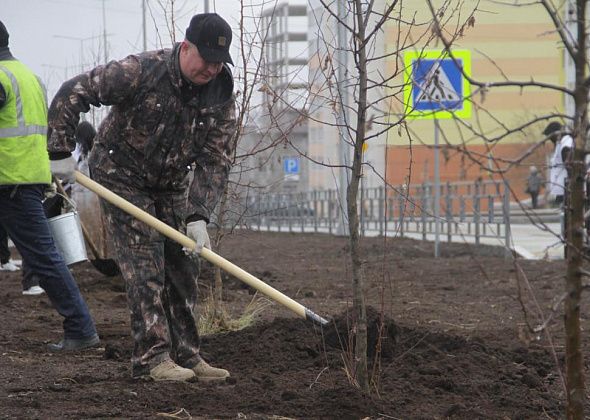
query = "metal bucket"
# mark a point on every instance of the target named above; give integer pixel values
(68, 237)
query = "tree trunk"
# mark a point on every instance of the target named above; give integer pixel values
(574, 236)
(575, 231)
(361, 370)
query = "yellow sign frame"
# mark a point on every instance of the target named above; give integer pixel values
(461, 55)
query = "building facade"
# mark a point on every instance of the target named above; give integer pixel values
(275, 143)
(310, 94)
(508, 42)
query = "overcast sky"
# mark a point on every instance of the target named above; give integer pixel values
(56, 37)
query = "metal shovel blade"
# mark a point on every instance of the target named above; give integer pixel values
(107, 267)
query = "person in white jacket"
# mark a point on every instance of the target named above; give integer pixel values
(564, 144)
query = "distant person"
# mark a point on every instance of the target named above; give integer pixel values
(172, 111)
(563, 145)
(6, 264)
(533, 186)
(24, 176)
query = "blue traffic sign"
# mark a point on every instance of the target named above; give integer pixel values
(291, 166)
(435, 84)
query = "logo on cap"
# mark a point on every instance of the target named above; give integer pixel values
(221, 41)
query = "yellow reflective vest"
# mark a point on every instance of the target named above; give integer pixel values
(23, 127)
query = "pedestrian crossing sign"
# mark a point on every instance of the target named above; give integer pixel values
(435, 86)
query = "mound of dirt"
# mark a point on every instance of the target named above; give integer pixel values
(460, 377)
(381, 333)
(446, 338)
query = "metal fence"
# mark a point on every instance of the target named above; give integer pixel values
(478, 209)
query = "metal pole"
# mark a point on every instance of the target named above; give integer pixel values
(343, 96)
(425, 209)
(506, 211)
(363, 216)
(143, 25)
(381, 202)
(477, 207)
(449, 212)
(206, 6)
(436, 193)
(104, 32)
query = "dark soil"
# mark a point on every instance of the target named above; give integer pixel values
(448, 338)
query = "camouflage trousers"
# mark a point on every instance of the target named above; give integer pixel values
(161, 280)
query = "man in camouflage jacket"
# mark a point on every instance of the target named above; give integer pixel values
(173, 114)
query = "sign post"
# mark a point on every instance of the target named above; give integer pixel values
(435, 87)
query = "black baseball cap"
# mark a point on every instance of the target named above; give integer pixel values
(552, 127)
(212, 35)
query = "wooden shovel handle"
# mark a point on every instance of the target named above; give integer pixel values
(89, 242)
(206, 253)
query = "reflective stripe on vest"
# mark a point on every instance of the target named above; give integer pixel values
(22, 129)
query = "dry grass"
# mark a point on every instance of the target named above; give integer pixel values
(215, 319)
(178, 414)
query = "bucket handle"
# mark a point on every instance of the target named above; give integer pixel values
(70, 203)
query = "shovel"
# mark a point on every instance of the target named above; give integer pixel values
(206, 253)
(106, 266)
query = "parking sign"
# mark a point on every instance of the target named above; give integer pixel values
(291, 168)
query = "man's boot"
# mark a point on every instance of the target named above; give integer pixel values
(170, 371)
(75, 344)
(206, 373)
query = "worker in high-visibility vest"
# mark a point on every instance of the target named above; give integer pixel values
(25, 174)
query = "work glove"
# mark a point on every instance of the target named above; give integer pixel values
(197, 231)
(64, 169)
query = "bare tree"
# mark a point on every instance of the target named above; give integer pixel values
(572, 32)
(372, 91)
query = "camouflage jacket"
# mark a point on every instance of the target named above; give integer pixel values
(159, 128)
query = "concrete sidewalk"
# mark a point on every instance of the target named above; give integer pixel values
(528, 240)
(538, 242)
